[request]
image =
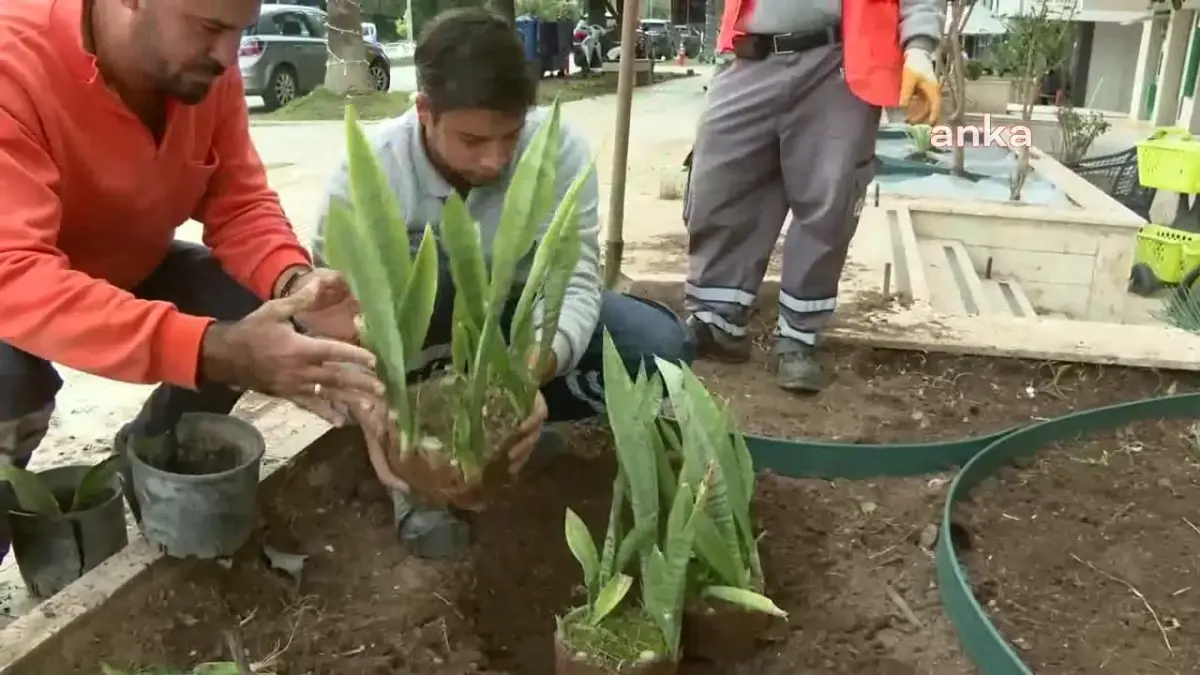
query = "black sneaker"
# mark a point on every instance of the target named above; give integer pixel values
(799, 370)
(717, 345)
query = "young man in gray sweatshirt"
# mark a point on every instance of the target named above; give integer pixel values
(474, 116)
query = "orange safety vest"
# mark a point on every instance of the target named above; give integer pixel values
(874, 59)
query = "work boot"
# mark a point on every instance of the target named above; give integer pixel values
(439, 534)
(799, 370)
(717, 345)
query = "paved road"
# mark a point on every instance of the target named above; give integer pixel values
(404, 78)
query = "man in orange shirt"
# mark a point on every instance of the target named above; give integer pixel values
(119, 120)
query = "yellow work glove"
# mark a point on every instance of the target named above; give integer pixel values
(920, 91)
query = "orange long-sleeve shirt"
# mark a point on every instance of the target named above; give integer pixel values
(89, 204)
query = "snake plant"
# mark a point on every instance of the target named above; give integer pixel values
(34, 497)
(712, 449)
(663, 549)
(459, 414)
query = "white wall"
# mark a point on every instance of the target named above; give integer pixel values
(1112, 69)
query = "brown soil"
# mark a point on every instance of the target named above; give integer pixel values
(849, 560)
(1086, 557)
(888, 396)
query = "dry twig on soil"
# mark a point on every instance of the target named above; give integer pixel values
(1162, 630)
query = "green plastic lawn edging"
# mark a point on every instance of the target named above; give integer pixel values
(983, 643)
(828, 459)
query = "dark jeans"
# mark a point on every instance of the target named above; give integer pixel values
(641, 330)
(190, 278)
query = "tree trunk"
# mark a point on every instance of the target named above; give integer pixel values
(1017, 184)
(346, 64)
(712, 17)
(505, 8)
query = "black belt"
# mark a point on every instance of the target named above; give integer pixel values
(757, 47)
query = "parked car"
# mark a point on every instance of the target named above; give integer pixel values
(283, 55)
(661, 34)
(370, 32)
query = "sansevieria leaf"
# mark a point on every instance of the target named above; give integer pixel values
(528, 202)
(755, 602)
(32, 494)
(375, 205)
(579, 540)
(610, 597)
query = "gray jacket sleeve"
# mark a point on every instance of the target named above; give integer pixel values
(581, 308)
(921, 23)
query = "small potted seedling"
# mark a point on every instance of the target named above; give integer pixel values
(66, 521)
(454, 428)
(605, 636)
(194, 489)
(726, 611)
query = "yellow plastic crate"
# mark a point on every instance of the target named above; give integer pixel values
(1191, 257)
(1163, 249)
(1170, 160)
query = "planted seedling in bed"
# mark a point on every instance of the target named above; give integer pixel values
(455, 427)
(611, 634)
(726, 610)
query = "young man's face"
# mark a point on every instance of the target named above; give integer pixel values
(477, 145)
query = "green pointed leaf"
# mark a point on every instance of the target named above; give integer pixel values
(348, 249)
(418, 297)
(464, 251)
(529, 200)
(32, 495)
(550, 272)
(635, 450)
(615, 532)
(96, 485)
(725, 561)
(374, 204)
(635, 543)
(746, 599)
(579, 540)
(610, 597)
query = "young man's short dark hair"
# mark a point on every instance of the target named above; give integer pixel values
(472, 58)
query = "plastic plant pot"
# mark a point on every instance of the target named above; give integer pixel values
(719, 632)
(200, 498)
(582, 656)
(54, 551)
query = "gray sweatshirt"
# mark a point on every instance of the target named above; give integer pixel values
(921, 21)
(422, 191)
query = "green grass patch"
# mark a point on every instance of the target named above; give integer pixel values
(324, 105)
(577, 87)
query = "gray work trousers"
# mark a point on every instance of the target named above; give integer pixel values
(785, 133)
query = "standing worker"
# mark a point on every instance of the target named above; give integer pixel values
(791, 125)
